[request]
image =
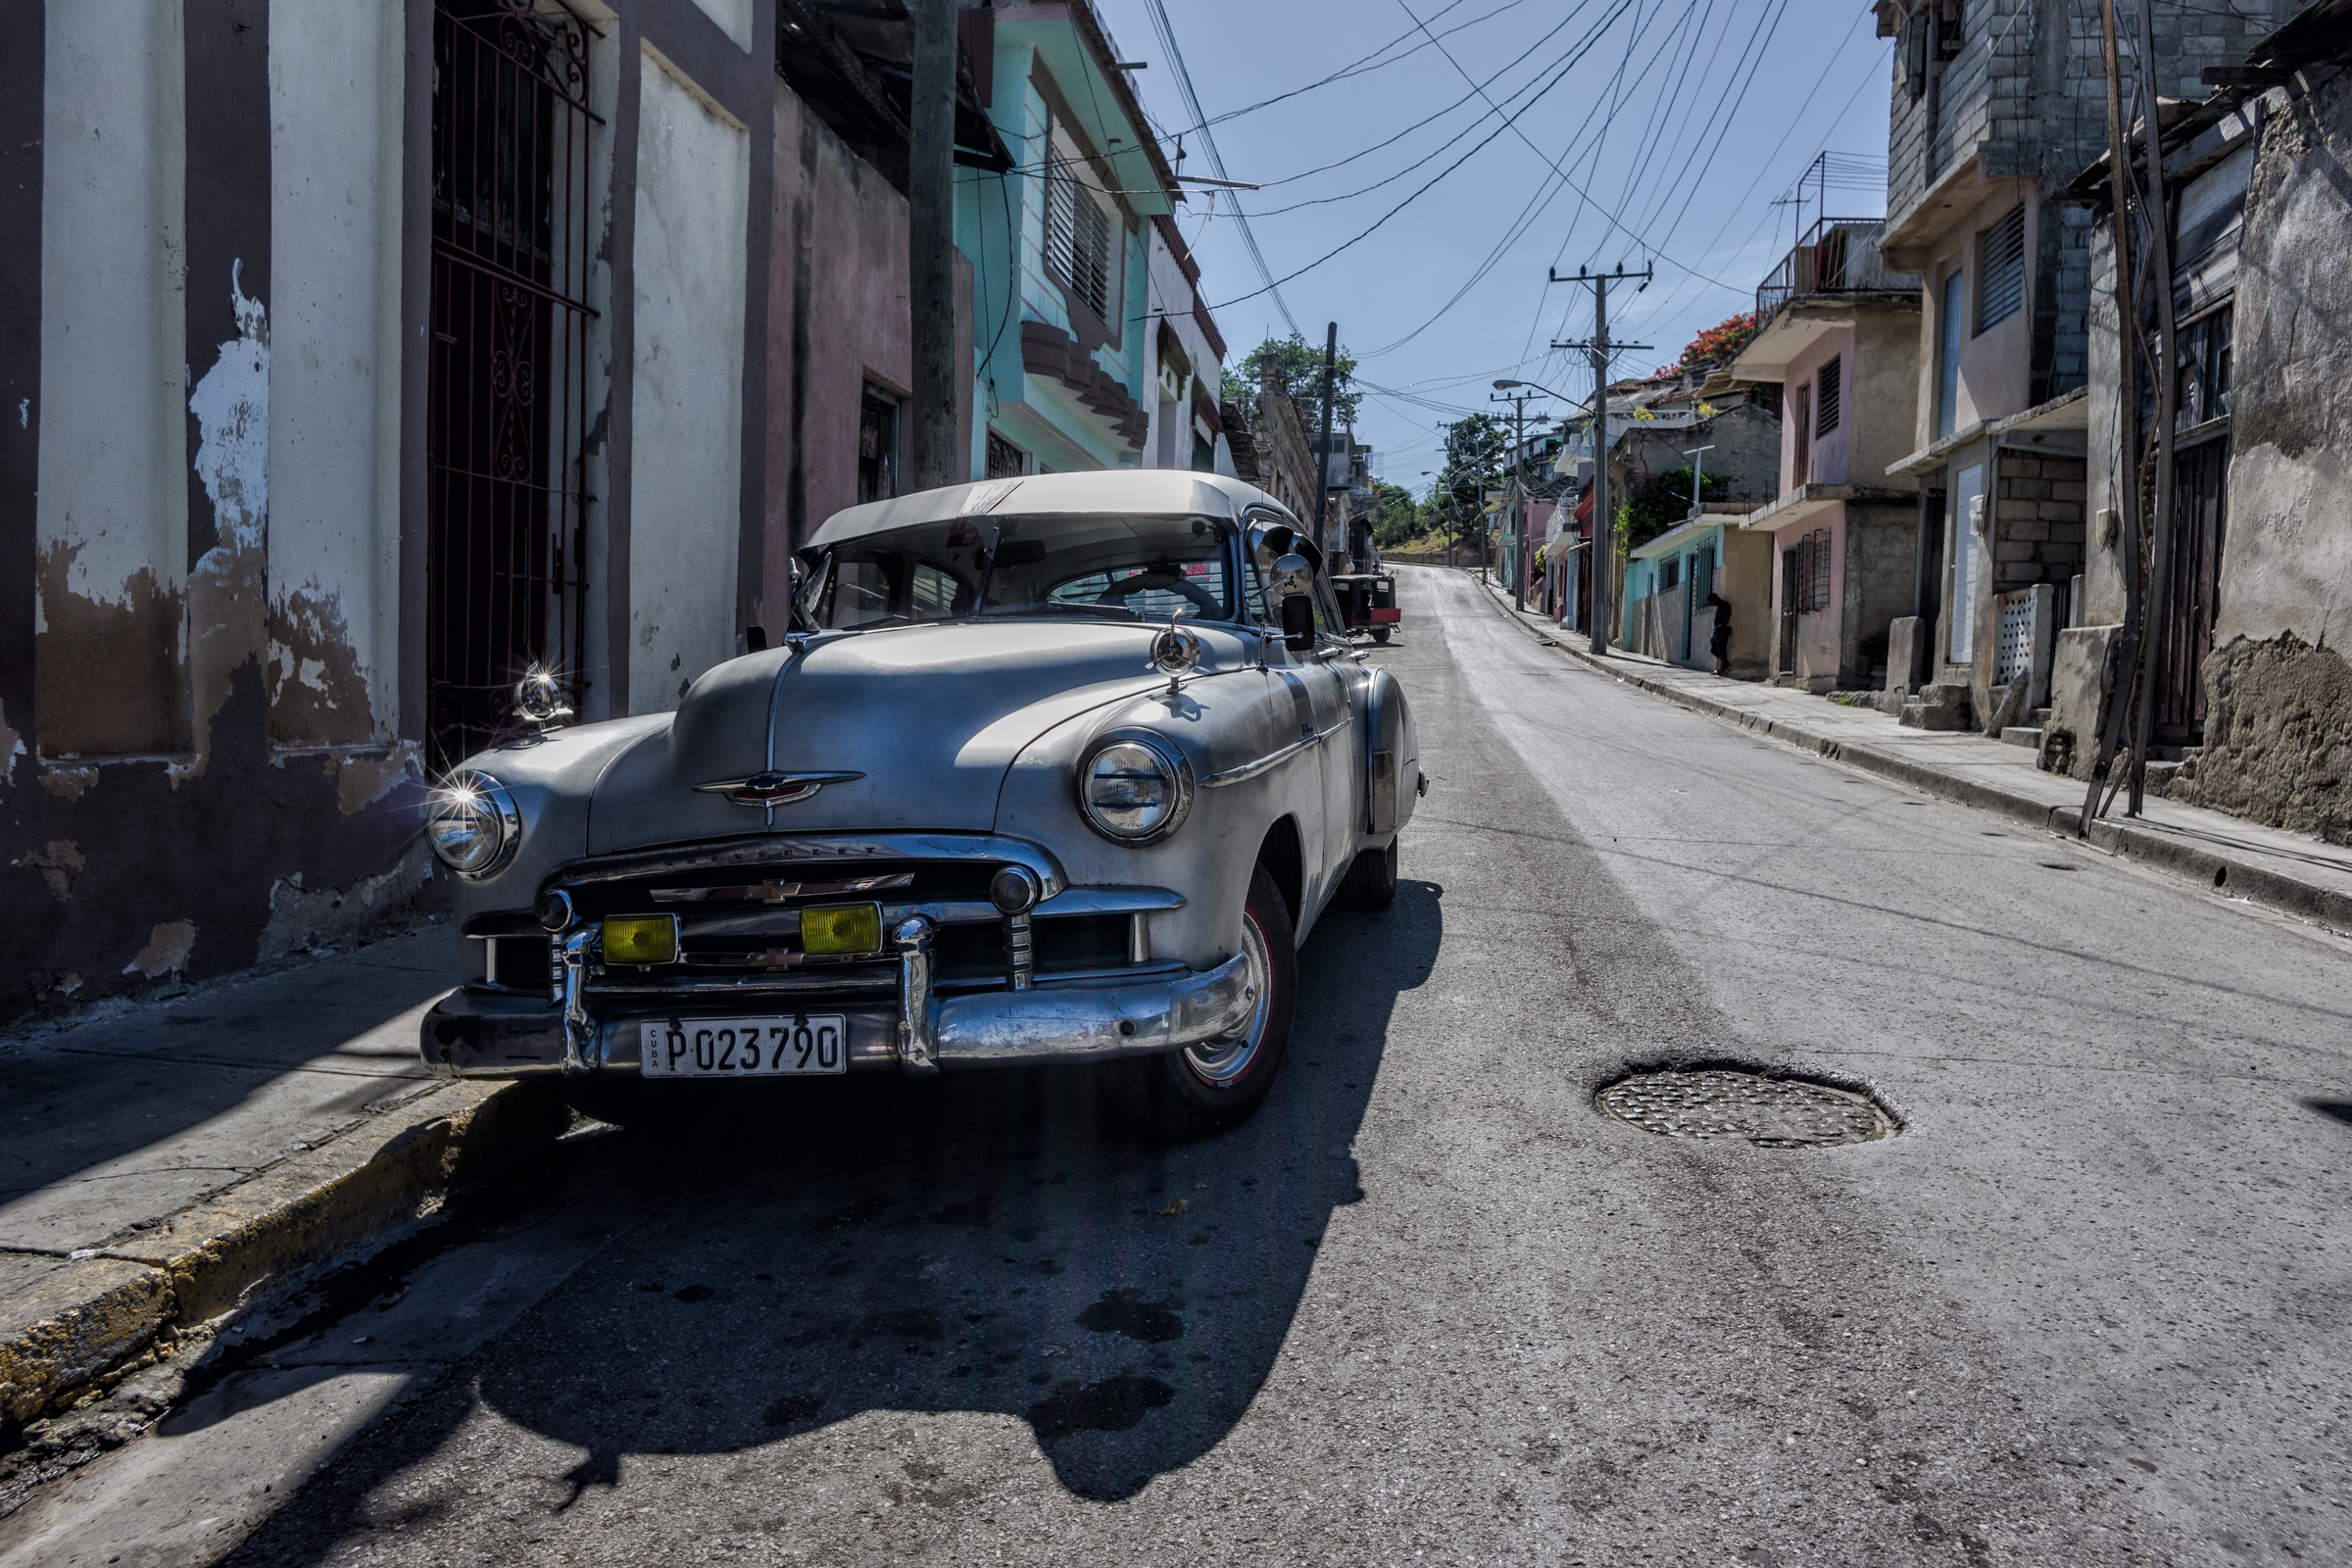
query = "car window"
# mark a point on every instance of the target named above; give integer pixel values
(860, 592)
(1155, 591)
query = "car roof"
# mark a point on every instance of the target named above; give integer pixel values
(1150, 492)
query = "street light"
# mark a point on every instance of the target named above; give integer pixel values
(1506, 385)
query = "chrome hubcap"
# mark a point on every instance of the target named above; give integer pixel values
(1221, 1062)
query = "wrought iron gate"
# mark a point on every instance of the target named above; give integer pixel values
(506, 401)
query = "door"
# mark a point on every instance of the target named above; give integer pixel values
(506, 394)
(1968, 547)
(1947, 352)
(1792, 587)
(2200, 497)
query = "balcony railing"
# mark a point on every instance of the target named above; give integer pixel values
(1837, 256)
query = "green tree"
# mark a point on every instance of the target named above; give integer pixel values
(1395, 516)
(1300, 365)
(1661, 502)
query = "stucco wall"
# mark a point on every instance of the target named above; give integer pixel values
(2279, 729)
(1883, 388)
(1995, 365)
(837, 321)
(693, 195)
(112, 508)
(336, 87)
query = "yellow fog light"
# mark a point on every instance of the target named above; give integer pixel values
(641, 939)
(841, 928)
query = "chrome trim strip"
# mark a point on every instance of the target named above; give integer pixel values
(1251, 770)
(1109, 901)
(801, 848)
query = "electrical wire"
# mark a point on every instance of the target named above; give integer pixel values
(1509, 123)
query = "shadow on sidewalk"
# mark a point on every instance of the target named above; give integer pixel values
(203, 1089)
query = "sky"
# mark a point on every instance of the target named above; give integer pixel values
(1529, 134)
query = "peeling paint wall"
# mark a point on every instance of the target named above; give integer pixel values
(335, 93)
(111, 508)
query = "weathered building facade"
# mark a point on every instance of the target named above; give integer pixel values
(2252, 697)
(1838, 331)
(1996, 105)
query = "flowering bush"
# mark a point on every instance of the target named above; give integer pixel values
(1721, 343)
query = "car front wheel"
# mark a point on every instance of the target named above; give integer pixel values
(1216, 1084)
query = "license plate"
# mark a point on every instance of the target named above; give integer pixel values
(745, 1048)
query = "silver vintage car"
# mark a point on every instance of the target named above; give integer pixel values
(1050, 770)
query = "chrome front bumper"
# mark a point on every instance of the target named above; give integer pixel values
(471, 1034)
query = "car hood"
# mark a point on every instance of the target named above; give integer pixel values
(929, 718)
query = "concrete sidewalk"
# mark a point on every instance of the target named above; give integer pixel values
(168, 1161)
(2300, 875)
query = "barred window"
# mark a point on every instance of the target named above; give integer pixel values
(1078, 231)
(2001, 270)
(1005, 460)
(1828, 399)
(1813, 571)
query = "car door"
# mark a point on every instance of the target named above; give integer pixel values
(1335, 722)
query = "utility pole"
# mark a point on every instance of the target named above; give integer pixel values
(2123, 192)
(1330, 361)
(1518, 531)
(2167, 351)
(931, 246)
(1605, 547)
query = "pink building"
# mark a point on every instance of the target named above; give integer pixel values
(1841, 334)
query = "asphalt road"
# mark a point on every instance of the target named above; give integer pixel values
(2089, 1305)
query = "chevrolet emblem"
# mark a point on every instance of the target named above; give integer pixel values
(774, 789)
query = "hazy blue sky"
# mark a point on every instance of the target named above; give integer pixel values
(1675, 123)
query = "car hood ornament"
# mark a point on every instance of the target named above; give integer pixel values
(772, 789)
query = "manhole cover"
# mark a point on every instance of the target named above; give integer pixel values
(1768, 1112)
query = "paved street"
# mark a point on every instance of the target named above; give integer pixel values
(2089, 1307)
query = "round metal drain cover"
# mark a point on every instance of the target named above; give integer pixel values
(1768, 1112)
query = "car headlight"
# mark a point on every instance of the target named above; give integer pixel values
(472, 823)
(1134, 789)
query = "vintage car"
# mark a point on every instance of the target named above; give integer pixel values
(1050, 770)
(1367, 602)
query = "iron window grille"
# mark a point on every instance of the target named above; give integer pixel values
(1828, 395)
(507, 417)
(2001, 270)
(1812, 583)
(1005, 460)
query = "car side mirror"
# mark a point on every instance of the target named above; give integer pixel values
(1294, 585)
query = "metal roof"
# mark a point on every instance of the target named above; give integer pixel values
(1147, 492)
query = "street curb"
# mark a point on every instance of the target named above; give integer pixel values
(264, 1237)
(2150, 845)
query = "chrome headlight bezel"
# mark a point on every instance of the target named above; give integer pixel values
(1168, 761)
(473, 797)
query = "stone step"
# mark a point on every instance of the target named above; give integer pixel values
(2026, 735)
(1935, 715)
(2037, 717)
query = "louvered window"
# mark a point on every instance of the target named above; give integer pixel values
(2001, 270)
(1830, 398)
(1078, 235)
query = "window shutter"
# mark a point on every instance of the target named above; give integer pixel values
(1820, 569)
(2001, 270)
(1828, 399)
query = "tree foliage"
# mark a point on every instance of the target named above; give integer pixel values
(1476, 447)
(1300, 365)
(1661, 502)
(1395, 516)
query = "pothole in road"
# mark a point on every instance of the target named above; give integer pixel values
(1767, 1113)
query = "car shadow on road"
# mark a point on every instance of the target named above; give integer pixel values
(991, 1242)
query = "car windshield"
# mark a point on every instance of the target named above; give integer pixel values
(1109, 566)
